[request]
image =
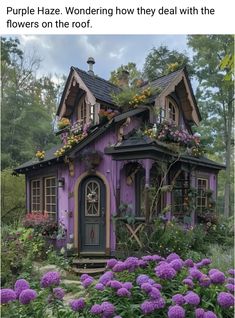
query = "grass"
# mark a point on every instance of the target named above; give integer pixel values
(221, 258)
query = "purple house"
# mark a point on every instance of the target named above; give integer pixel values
(135, 162)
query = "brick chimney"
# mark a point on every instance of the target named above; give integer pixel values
(90, 62)
(124, 78)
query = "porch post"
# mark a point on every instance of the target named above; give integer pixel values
(147, 165)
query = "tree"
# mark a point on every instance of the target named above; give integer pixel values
(28, 105)
(134, 74)
(215, 94)
(161, 61)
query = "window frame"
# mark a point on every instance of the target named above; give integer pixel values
(170, 102)
(32, 195)
(45, 203)
(42, 203)
(200, 196)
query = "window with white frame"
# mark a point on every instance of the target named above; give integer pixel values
(50, 197)
(43, 196)
(202, 187)
(36, 195)
(83, 111)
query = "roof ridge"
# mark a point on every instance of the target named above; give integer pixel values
(157, 78)
(96, 76)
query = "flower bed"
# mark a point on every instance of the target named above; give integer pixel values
(150, 286)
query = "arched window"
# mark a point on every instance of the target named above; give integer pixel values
(92, 198)
(172, 111)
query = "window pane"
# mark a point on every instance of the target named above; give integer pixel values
(50, 193)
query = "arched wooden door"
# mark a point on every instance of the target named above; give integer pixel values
(92, 227)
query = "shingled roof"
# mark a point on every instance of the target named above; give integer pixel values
(100, 88)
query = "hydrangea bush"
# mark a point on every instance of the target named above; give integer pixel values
(150, 286)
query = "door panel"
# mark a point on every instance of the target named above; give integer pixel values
(92, 198)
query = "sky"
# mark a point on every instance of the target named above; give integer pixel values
(60, 52)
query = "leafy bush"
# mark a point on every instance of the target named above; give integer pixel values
(136, 287)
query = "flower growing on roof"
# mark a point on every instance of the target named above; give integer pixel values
(77, 304)
(50, 279)
(27, 296)
(7, 295)
(225, 300)
(20, 285)
(40, 154)
(176, 312)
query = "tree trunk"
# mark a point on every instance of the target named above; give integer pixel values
(227, 188)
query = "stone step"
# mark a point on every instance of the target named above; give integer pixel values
(90, 261)
(89, 271)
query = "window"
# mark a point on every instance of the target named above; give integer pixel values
(172, 112)
(83, 111)
(35, 196)
(44, 196)
(180, 191)
(92, 198)
(202, 186)
(50, 196)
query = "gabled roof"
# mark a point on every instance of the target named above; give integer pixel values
(100, 88)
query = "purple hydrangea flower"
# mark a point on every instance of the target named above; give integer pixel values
(105, 278)
(84, 276)
(195, 273)
(177, 264)
(127, 285)
(96, 309)
(189, 263)
(147, 258)
(146, 287)
(176, 312)
(192, 298)
(209, 314)
(151, 281)
(159, 303)
(225, 300)
(165, 271)
(178, 299)
(231, 280)
(123, 292)
(147, 307)
(111, 262)
(20, 285)
(27, 295)
(188, 282)
(199, 313)
(99, 286)
(204, 281)
(142, 279)
(206, 261)
(107, 308)
(142, 263)
(87, 282)
(50, 279)
(217, 277)
(230, 287)
(154, 293)
(7, 295)
(231, 272)
(172, 257)
(212, 270)
(119, 267)
(117, 317)
(58, 293)
(77, 304)
(131, 262)
(115, 284)
(158, 286)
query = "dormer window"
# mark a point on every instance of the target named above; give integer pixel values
(169, 112)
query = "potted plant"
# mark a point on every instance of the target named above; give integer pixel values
(63, 123)
(91, 157)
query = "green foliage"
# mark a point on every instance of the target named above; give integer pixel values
(221, 258)
(133, 78)
(161, 61)
(28, 104)
(12, 197)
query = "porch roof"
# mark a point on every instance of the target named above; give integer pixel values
(146, 148)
